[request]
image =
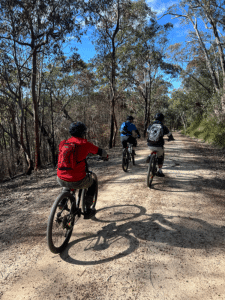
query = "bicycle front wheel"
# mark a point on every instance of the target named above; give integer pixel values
(60, 223)
(151, 170)
(125, 160)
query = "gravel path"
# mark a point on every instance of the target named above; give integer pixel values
(163, 243)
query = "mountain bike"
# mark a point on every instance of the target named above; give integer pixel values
(65, 212)
(152, 168)
(127, 156)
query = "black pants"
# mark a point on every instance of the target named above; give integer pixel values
(128, 139)
(90, 194)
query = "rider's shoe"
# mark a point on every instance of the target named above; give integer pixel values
(148, 159)
(160, 174)
(89, 213)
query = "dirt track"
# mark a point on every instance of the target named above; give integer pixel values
(164, 243)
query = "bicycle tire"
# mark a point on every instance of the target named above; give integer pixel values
(133, 160)
(94, 176)
(65, 224)
(151, 170)
(125, 160)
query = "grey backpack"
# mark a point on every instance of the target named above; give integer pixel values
(155, 133)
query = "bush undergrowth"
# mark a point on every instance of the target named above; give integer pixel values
(207, 129)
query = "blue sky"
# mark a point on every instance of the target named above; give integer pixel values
(178, 34)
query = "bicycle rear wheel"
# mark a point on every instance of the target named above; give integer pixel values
(133, 160)
(95, 179)
(60, 223)
(125, 160)
(151, 170)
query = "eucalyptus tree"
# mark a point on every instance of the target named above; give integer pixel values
(34, 27)
(181, 106)
(211, 13)
(112, 31)
(145, 60)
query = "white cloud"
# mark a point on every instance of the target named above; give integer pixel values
(160, 6)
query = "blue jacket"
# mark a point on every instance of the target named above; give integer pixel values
(129, 127)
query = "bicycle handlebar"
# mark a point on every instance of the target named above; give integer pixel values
(98, 157)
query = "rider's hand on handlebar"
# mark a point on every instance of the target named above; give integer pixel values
(139, 137)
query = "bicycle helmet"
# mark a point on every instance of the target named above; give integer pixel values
(130, 118)
(77, 129)
(159, 117)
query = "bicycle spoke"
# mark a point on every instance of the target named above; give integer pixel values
(60, 223)
(151, 170)
(125, 160)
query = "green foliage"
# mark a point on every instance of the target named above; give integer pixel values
(209, 130)
(195, 124)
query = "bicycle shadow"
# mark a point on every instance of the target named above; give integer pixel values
(174, 231)
(107, 238)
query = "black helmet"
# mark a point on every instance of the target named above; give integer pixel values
(159, 117)
(77, 129)
(130, 118)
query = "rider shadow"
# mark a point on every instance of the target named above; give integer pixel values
(175, 231)
(178, 183)
(108, 243)
(184, 232)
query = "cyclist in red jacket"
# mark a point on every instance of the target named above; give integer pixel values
(75, 177)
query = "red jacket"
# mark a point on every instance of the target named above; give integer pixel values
(84, 149)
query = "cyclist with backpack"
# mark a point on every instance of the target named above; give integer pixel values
(126, 133)
(155, 140)
(71, 170)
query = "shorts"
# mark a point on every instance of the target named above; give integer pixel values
(85, 183)
(160, 153)
(128, 139)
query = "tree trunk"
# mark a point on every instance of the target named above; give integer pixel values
(113, 77)
(115, 132)
(35, 107)
(112, 99)
(208, 62)
(146, 116)
(6, 157)
(53, 137)
(112, 125)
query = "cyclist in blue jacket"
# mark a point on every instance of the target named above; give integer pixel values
(126, 133)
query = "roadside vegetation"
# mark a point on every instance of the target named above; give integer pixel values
(42, 90)
(208, 130)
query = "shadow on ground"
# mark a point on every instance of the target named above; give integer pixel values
(175, 231)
